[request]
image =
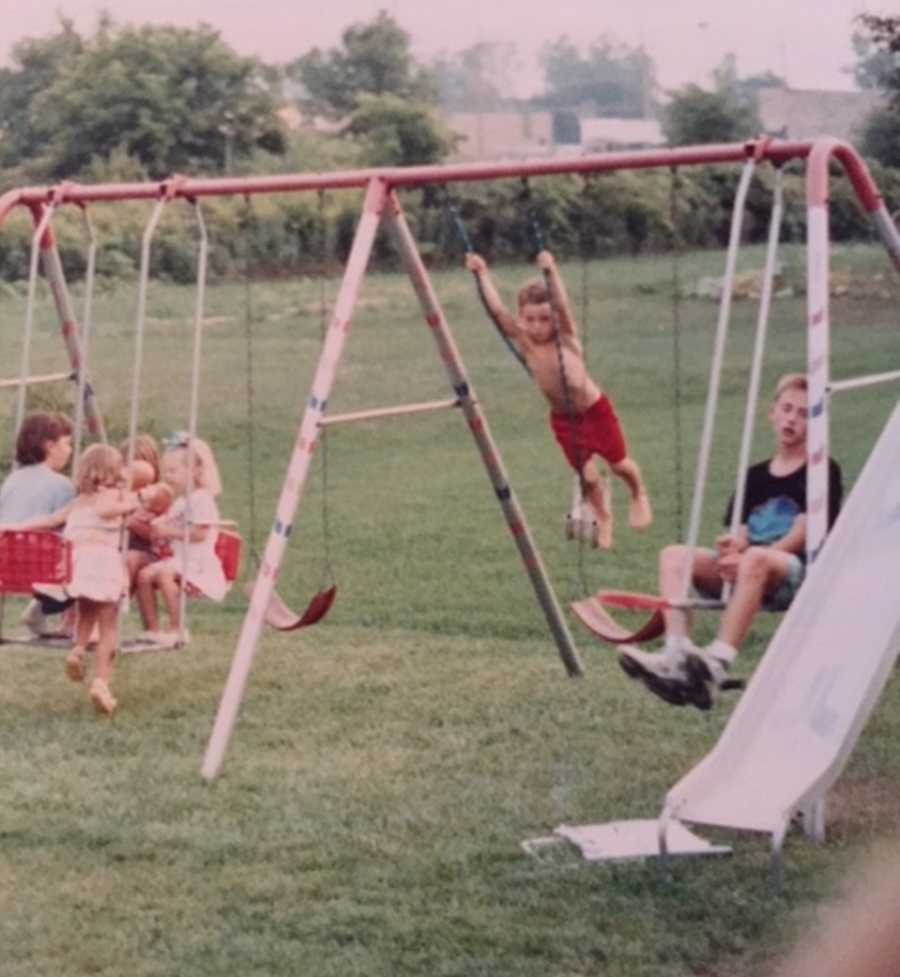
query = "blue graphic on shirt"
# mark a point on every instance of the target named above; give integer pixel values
(772, 520)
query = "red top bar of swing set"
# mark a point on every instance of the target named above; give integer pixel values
(774, 151)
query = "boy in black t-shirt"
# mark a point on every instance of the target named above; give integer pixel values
(764, 561)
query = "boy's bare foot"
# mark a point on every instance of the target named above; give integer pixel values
(75, 665)
(640, 513)
(104, 702)
(603, 532)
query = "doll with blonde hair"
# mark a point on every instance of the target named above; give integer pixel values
(189, 529)
(142, 475)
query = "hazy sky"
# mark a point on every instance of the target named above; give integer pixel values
(807, 41)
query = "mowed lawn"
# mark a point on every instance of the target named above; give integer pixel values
(389, 762)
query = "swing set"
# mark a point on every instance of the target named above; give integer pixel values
(381, 205)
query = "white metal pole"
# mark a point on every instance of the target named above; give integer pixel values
(759, 348)
(194, 410)
(715, 372)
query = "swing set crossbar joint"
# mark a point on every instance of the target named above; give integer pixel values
(379, 413)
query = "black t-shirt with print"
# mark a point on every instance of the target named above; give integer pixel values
(772, 503)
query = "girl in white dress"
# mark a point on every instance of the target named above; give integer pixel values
(94, 525)
(190, 529)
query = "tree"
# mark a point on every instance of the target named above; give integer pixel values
(397, 132)
(477, 78)
(175, 99)
(694, 116)
(615, 79)
(374, 59)
(37, 63)
(880, 137)
(877, 46)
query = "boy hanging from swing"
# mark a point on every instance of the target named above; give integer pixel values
(582, 417)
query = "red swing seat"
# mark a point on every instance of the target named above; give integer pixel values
(29, 557)
(593, 614)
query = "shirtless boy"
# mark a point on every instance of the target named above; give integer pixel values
(582, 417)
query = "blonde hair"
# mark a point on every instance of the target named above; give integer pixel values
(206, 471)
(99, 466)
(533, 292)
(790, 381)
(145, 449)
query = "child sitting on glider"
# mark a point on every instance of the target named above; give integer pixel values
(38, 488)
(195, 487)
(764, 561)
(582, 417)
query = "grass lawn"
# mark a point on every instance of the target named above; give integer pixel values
(389, 762)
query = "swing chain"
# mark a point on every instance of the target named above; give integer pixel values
(250, 224)
(327, 569)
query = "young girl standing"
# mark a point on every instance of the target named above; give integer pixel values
(190, 529)
(94, 524)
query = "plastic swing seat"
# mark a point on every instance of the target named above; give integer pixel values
(593, 614)
(280, 617)
(29, 557)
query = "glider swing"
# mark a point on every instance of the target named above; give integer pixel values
(34, 560)
(594, 611)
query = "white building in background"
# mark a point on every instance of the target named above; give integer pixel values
(598, 135)
(803, 114)
(501, 134)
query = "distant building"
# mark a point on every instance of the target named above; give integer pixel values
(504, 134)
(800, 114)
(598, 135)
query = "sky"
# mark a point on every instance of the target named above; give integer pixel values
(805, 41)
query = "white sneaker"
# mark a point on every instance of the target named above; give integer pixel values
(665, 664)
(708, 676)
(703, 664)
(33, 619)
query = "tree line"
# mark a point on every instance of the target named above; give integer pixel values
(142, 102)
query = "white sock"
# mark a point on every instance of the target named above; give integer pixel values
(673, 646)
(725, 652)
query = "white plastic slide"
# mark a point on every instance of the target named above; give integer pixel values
(793, 730)
(798, 720)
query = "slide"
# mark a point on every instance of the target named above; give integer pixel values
(798, 720)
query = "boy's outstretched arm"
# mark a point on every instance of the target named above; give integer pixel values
(558, 295)
(490, 296)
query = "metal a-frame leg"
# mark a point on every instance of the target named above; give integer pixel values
(68, 320)
(477, 423)
(295, 479)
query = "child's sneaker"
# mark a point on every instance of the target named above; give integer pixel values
(661, 672)
(708, 675)
(104, 702)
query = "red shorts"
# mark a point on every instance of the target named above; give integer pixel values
(595, 432)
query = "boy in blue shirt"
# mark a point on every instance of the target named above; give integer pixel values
(37, 487)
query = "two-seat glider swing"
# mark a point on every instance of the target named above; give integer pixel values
(35, 561)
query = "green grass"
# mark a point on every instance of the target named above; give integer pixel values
(389, 762)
